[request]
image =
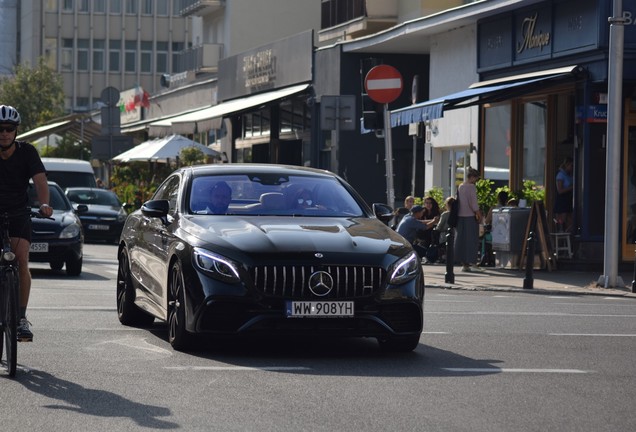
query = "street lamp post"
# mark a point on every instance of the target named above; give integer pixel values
(610, 277)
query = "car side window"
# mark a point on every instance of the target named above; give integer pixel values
(169, 190)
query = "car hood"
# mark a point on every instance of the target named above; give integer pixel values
(267, 235)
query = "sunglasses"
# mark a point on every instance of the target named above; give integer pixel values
(7, 128)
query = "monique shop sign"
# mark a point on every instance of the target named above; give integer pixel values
(531, 37)
(543, 31)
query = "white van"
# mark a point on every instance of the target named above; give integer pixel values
(69, 172)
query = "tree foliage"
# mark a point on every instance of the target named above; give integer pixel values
(191, 156)
(37, 93)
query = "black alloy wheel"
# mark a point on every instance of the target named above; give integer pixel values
(127, 311)
(178, 336)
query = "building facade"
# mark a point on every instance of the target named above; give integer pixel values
(107, 43)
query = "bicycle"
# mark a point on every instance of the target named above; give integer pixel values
(9, 292)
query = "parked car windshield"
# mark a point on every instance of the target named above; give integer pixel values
(93, 196)
(263, 194)
(56, 198)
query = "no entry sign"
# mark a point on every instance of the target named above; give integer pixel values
(383, 84)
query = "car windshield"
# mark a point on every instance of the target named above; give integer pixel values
(96, 197)
(266, 194)
(56, 199)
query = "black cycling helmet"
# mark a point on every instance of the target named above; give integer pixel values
(8, 114)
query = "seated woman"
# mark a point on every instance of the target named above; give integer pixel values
(430, 218)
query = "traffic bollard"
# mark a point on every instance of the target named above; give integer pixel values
(528, 280)
(449, 277)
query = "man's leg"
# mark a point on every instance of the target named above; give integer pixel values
(20, 247)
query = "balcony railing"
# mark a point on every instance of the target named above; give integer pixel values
(347, 19)
(200, 7)
(202, 58)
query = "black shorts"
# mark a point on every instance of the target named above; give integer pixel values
(20, 226)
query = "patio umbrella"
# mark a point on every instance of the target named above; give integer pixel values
(162, 150)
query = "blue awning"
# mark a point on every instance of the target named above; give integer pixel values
(478, 94)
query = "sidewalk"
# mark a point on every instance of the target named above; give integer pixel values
(544, 282)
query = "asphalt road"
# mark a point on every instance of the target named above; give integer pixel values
(487, 362)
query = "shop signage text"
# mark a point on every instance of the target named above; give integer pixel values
(259, 68)
(531, 39)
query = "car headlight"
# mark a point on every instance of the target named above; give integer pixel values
(71, 231)
(404, 269)
(122, 215)
(217, 266)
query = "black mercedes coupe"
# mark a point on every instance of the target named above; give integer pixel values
(243, 249)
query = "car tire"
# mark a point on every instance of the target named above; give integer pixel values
(399, 343)
(127, 311)
(74, 266)
(56, 265)
(178, 336)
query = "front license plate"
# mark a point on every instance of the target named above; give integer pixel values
(319, 309)
(39, 247)
(98, 227)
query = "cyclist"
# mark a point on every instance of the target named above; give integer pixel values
(19, 162)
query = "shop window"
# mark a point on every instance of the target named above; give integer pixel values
(535, 118)
(294, 116)
(497, 122)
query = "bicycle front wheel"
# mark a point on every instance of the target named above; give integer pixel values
(10, 320)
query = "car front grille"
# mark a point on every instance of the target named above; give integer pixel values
(293, 281)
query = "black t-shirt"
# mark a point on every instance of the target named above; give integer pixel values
(15, 173)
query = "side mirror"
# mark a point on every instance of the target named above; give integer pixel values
(383, 212)
(81, 208)
(156, 208)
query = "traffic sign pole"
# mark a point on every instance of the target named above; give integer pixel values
(383, 84)
(388, 149)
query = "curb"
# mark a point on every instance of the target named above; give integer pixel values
(541, 291)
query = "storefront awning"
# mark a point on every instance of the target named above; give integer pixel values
(482, 93)
(79, 127)
(210, 118)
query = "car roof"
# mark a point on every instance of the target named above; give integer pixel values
(241, 168)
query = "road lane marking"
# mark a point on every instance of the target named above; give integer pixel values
(516, 370)
(238, 368)
(555, 314)
(75, 308)
(449, 301)
(593, 334)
